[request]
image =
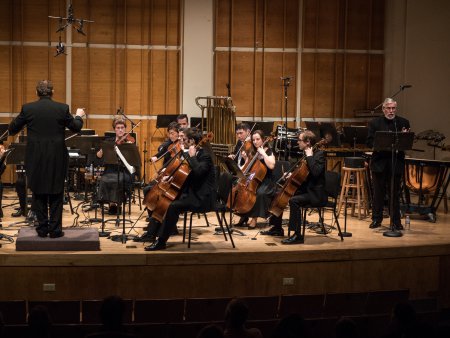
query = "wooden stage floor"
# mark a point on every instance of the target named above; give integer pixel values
(259, 265)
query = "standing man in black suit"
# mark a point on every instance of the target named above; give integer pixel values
(381, 164)
(198, 190)
(46, 157)
(311, 192)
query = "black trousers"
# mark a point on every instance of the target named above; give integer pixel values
(49, 208)
(295, 211)
(381, 183)
(1, 198)
(21, 190)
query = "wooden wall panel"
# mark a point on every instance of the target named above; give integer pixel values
(243, 21)
(255, 72)
(221, 73)
(343, 81)
(274, 24)
(375, 79)
(242, 73)
(6, 76)
(222, 20)
(6, 20)
(291, 24)
(355, 83)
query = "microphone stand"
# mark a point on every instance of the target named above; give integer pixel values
(286, 82)
(402, 88)
(120, 112)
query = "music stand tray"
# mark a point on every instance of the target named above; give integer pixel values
(17, 155)
(231, 166)
(355, 134)
(386, 140)
(3, 129)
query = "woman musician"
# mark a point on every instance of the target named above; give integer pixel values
(311, 191)
(108, 181)
(266, 189)
(198, 191)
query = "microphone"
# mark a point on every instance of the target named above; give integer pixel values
(405, 86)
(119, 111)
(286, 77)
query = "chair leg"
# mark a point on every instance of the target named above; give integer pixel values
(184, 227)
(219, 219)
(228, 229)
(190, 230)
(337, 224)
(206, 219)
(303, 225)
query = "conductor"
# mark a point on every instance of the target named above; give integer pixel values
(46, 157)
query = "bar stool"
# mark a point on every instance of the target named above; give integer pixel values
(353, 184)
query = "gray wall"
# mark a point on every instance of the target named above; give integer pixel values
(418, 53)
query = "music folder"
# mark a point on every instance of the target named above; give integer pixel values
(384, 140)
(231, 166)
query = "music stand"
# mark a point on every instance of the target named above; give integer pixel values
(17, 157)
(88, 144)
(355, 135)
(393, 142)
(233, 169)
(3, 129)
(131, 154)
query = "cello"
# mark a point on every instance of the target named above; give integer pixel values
(299, 172)
(243, 195)
(168, 190)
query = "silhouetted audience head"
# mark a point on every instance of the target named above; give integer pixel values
(39, 322)
(111, 312)
(346, 328)
(291, 326)
(236, 313)
(210, 331)
(2, 325)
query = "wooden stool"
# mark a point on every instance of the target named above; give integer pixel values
(357, 188)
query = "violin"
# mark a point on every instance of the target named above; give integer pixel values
(126, 138)
(299, 172)
(243, 196)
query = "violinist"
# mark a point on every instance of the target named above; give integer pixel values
(266, 189)
(108, 181)
(312, 191)
(170, 142)
(243, 135)
(182, 121)
(198, 191)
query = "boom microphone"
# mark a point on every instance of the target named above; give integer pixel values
(405, 86)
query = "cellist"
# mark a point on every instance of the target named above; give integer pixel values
(312, 191)
(198, 190)
(266, 189)
(166, 150)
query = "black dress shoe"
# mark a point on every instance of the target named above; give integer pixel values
(273, 231)
(145, 238)
(41, 233)
(56, 234)
(18, 213)
(156, 245)
(242, 222)
(295, 239)
(375, 224)
(399, 226)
